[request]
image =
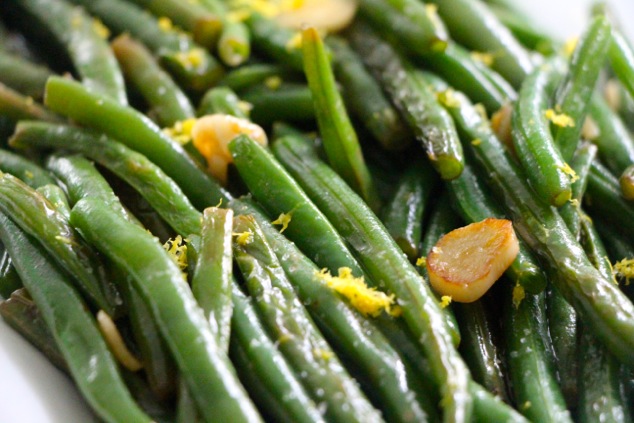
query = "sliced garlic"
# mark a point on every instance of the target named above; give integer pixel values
(326, 15)
(211, 135)
(466, 262)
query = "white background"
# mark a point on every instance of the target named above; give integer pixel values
(31, 390)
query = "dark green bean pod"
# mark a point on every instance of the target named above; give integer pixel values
(431, 125)
(575, 91)
(57, 197)
(597, 300)
(533, 141)
(365, 98)
(20, 312)
(193, 17)
(414, 25)
(261, 366)
(603, 198)
(290, 102)
(479, 349)
(616, 144)
(387, 266)
(525, 31)
(136, 169)
(290, 326)
(275, 41)
(9, 278)
(137, 132)
(338, 136)
(190, 65)
(14, 106)
(472, 24)
(74, 328)
(473, 201)
(469, 75)
(279, 194)
(357, 340)
(211, 283)
(83, 39)
(206, 369)
(534, 383)
(25, 77)
(29, 172)
(222, 100)
(252, 74)
(38, 217)
(167, 103)
(403, 215)
(621, 56)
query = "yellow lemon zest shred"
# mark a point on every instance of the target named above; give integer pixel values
(368, 301)
(177, 249)
(421, 261)
(181, 131)
(447, 98)
(273, 82)
(570, 45)
(476, 142)
(624, 269)
(483, 57)
(284, 219)
(101, 29)
(445, 300)
(295, 42)
(324, 354)
(518, 295)
(559, 119)
(28, 174)
(165, 24)
(570, 172)
(243, 238)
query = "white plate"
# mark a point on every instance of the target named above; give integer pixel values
(32, 390)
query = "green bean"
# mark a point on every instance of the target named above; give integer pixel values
(533, 141)
(20, 312)
(30, 173)
(234, 45)
(473, 25)
(525, 31)
(442, 219)
(414, 25)
(73, 327)
(204, 26)
(289, 324)
(621, 56)
(479, 349)
(365, 99)
(23, 76)
(57, 197)
(275, 41)
(84, 41)
(574, 93)
(37, 217)
(403, 215)
(603, 198)
(279, 194)
(356, 339)
(252, 74)
(137, 132)
(9, 278)
(190, 65)
(211, 284)
(474, 203)
(290, 102)
(222, 100)
(207, 371)
(534, 384)
(599, 303)
(337, 133)
(429, 122)
(615, 143)
(148, 179)
(387, 267)
(257, 357)
(15, 106)
(469, 75)
(168, 104)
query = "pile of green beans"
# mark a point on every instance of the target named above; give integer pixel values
(249, 299)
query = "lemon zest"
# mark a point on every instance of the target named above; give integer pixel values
(559, 119)
(518, 295)
(191, 59)
(28, 174)
(447, 98)
(421, 262)
(273, 82)
(445, 300)
(165, 24)
(483, 57)
(284, 219)
(368, 301)
(476, 142)
(324, 354)
(570, 45)
(243, 238)
(295, 42)
(570, 172)
(181, 131)
(177, 249)
(624, 269)
(101, 29)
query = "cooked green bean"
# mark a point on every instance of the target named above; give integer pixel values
(30, 173)
(23, 76)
